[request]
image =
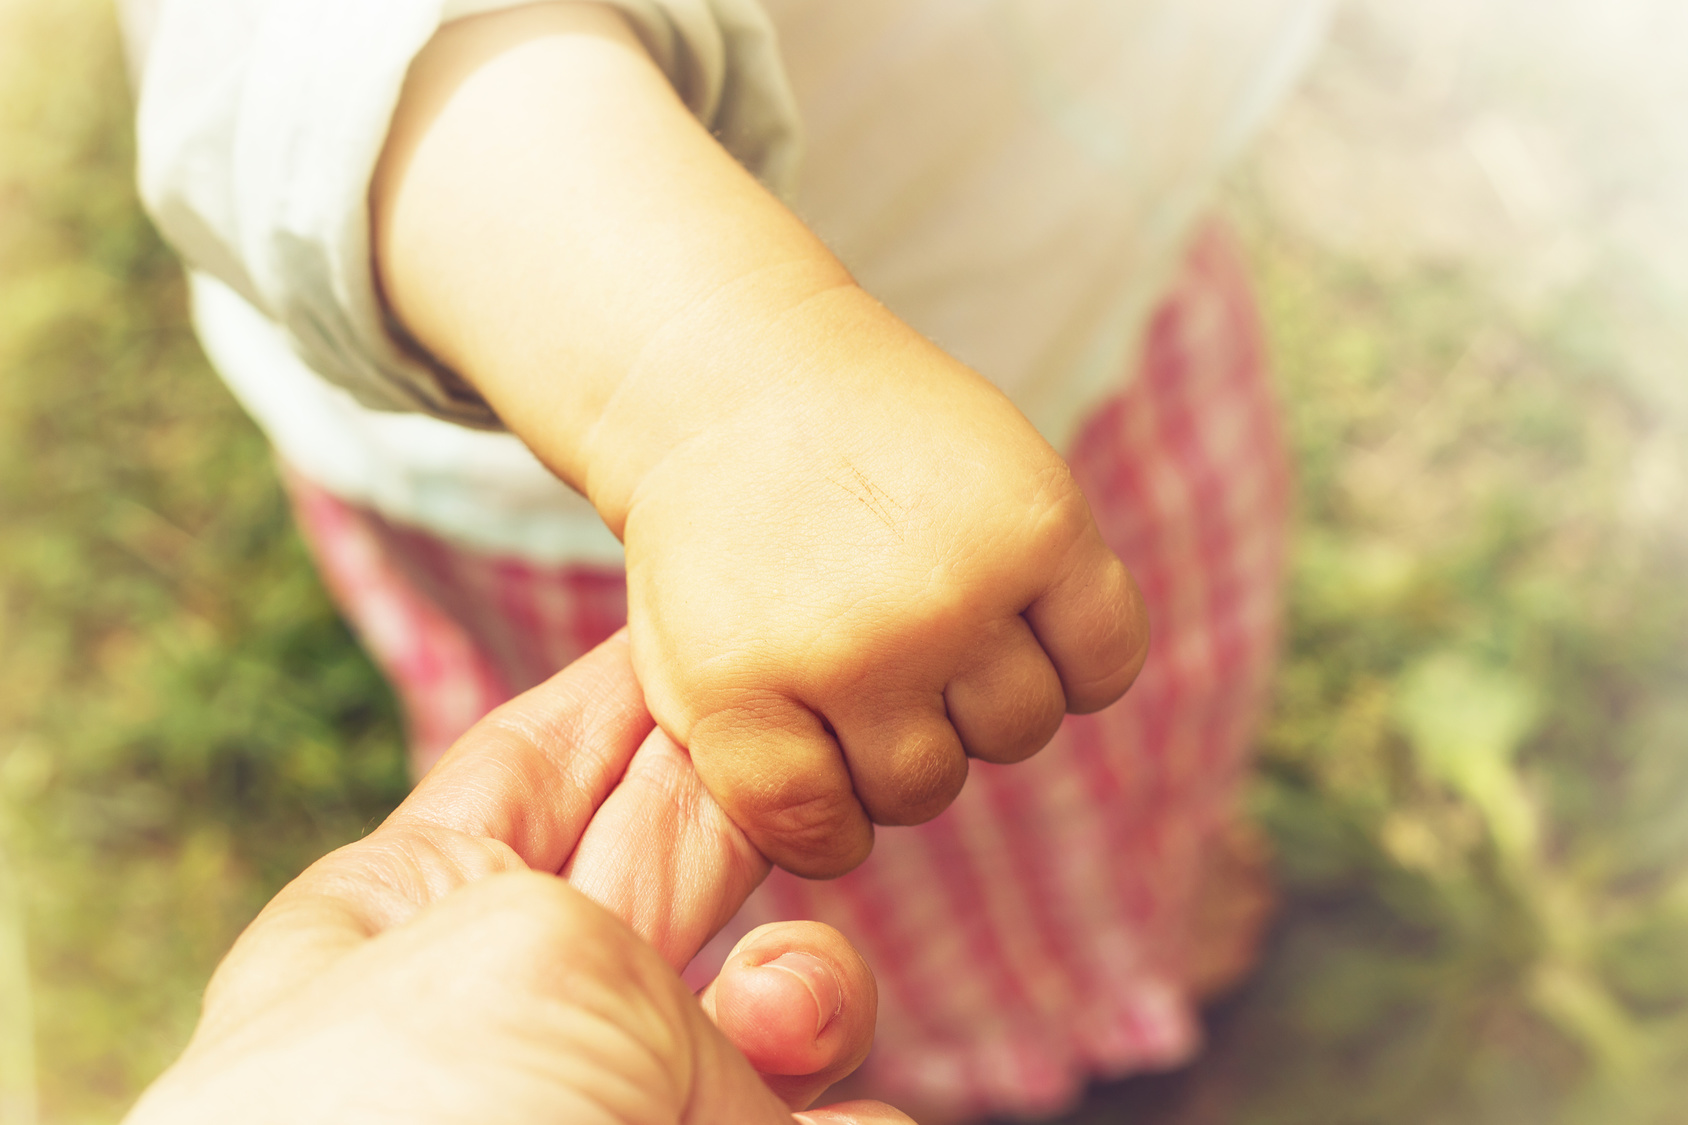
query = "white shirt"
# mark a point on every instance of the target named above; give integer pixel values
(1014, 178)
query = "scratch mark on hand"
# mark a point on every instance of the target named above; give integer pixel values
(875, 499)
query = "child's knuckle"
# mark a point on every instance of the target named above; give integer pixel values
(810, 822)
(919, 788)
(1057, 511)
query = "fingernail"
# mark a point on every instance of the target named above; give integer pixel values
(817, 977)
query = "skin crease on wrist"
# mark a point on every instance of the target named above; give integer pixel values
(852, 564)
(437, 972)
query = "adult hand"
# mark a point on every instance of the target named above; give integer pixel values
(438, 970)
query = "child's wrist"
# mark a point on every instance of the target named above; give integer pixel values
(763, 347)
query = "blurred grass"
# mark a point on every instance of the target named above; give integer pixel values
(1476, 776)
(184, 722)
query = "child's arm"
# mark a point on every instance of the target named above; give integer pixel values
(546, 206)
(850, 559)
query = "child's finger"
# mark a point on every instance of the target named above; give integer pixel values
(800, 1003)
(905, 758)
(1009, 703)
(774, 768)
(1093, 625)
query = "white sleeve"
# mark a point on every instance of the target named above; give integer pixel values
(261, 122)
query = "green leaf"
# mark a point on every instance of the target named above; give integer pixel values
(1466, 721)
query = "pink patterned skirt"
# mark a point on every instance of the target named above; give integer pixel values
(1060, 920)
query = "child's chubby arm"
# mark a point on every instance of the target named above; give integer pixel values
(851, 562)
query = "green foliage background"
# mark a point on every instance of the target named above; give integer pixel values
(1476, 778)
(184, 722)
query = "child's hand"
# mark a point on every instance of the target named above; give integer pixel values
(867, 569)
(851, 562)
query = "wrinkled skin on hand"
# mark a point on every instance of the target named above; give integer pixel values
(440, 971)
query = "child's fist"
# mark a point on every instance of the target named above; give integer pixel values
(864, 572)
(851, 562)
